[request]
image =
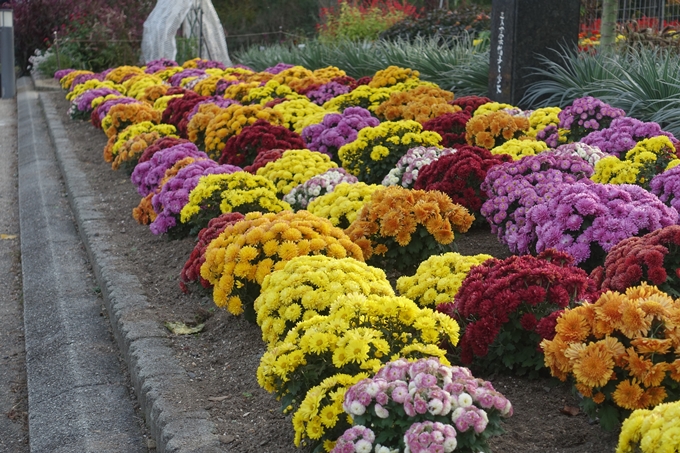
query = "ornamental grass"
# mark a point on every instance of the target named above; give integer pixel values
(648, 158)
(422, 406)
(245, 253)
(359, 335)
(242, 149)
(408, 166)
(506, 307)
(619, 353)
(460, 176)
(342, 205)
(419, 104)
(307, 286)
(123, 115)
(492, 129)
(399, 228)
(438, 278)
(191, 272)
(378, 149)
(294, 168)
(653, 259)
(451, 127)
(231, 121)
(651, 430)
(217, 194)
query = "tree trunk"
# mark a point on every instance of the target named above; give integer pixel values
(610, 9)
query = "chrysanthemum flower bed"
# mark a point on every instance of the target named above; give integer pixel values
(332, 320)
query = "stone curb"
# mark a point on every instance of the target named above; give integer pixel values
(153, 369)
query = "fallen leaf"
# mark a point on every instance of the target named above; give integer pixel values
(8, 236)
(179, 328)
(247, 394)
(570, 411)
(217, 399)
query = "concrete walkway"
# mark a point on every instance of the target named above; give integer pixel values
(77, 396)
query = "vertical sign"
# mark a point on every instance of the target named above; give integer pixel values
(502, 37)
(7, 77)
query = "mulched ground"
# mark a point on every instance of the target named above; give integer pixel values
(221, 362)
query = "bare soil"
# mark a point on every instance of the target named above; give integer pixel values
(221, 362)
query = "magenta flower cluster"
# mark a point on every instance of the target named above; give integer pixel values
(103, 108)
(82, 105)
(222, 85)
(148, 175)
(58, 75)
(158, 65)
(279, 67)
(515, 187)
(550, 135)
(623, 134)
(589, 153)
(82, 78)
(209, 64)
(582, 218)
(666, 186)
(327, 92)
(175, 193)
(337, 129)
(176, 79)
(587, 114)
(424, 390)
(356, 439)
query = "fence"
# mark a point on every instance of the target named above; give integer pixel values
(654, 14)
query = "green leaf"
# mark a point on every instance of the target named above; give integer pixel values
(609, 417)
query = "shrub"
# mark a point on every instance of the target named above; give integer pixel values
(365, 20)
(465, 20)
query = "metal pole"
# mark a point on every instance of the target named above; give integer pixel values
(7, 76)
(56, 49)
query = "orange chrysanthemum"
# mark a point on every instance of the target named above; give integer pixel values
(594, 364)
(637, 366)
(572, 326)
(655, 395)
(651, 345)
(634, 321)
(628, 395)
(608, 312)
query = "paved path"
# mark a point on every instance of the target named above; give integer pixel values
(77, 396)
(13, 434)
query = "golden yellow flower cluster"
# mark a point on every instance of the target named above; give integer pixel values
(307, 286)
(619, 349)
(639, 165)
(286, 76)
(152, 93)
(295, 167)
(419, 104)
(161, 102)
(240, 90)
(295, 113)
(376, 150)
(493, 129)
(165, 74)
(395, 214)
(235, 192)
(199, 122)
(117, 75)
(393, 75)
(519, 148)
(438, 278)
(246, 252)
(135, 86)
(542, 118)
(121, 116)
(270, 91)
(490, 107)
(342, 205)
(116, 142)
(231, 121)
(67, 80)
(651, 431)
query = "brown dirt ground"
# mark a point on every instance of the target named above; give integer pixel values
(222, 361)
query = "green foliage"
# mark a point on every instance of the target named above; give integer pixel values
(187, 48)
(443, 25)
(461, 66)
(357, 23)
